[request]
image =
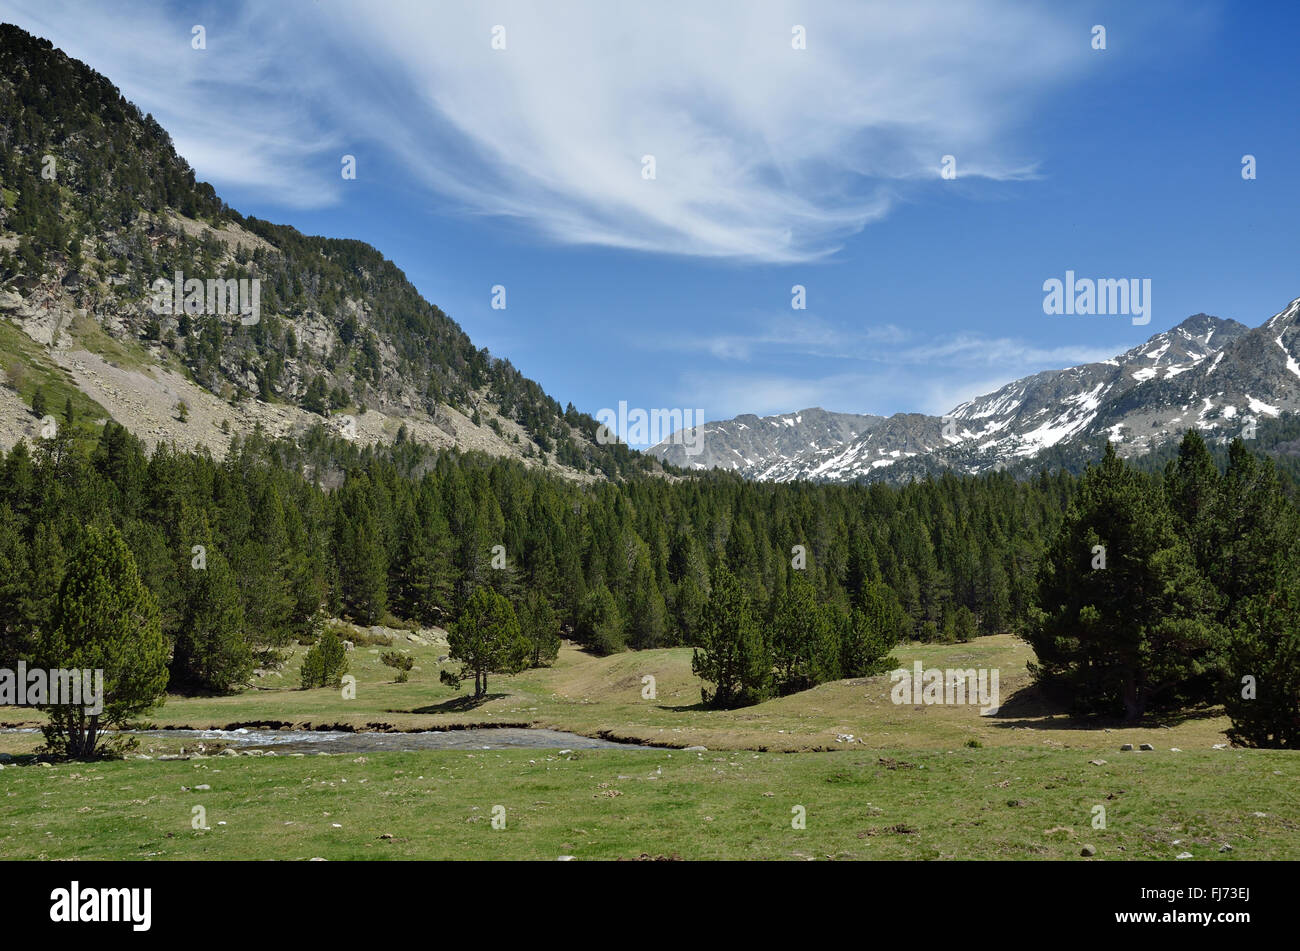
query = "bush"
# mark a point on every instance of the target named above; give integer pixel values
(402, 663)
(326, 663)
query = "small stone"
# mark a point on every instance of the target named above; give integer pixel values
(1225, 848)
(1088, 851)
(565, 858)
(1097, 762)
(1147, 747)
(202, 786)
(1184, 855)
(696, 749)
(1126, 748)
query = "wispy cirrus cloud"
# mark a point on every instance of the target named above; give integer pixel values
(871, 370)
(763, 152)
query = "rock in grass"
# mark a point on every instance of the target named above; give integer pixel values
(1097, 762)
(1088, 851)
(565, 858)
(1225, 848)
(1147, 747)
(1184, 855)
(1126, 748)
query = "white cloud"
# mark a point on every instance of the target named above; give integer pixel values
(1011, 355)
(238, 111)
(801, 334)
(881, 376)
(763, 153)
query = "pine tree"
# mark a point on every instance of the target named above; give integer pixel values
(733, 655)
(600, 623)
(1192, 486)
(212, 650)
(326, 663)
(104, 619)
(871, 631)
(541, 626)
(805, 638)
(1263, 668)
(1126, 620)
(1256, 531)
(486, 639)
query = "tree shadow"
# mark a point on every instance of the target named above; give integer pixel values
(1029, 709)
(697, 706)
(458, 704)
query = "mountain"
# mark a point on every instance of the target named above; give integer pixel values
(746, 442)
(96, 207)
(1215, 374)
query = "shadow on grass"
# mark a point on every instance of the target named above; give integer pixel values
(1028, 709)
(698, 706)
(459, 704)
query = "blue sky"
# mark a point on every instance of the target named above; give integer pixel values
(773, 167)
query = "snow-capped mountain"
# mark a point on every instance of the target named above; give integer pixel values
(1215, 374)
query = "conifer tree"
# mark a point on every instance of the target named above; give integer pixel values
(732, 654)
(104, 619)
(487, 639)
(1127, 620)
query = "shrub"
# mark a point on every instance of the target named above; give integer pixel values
(402, 663)
(326, 663)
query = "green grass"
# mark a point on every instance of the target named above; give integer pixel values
(37, 369)
(914, 782)
(610, 804)
(90, 335)
(602, 696)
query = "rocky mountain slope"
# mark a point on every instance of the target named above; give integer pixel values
(1217, 375)
(96, 207)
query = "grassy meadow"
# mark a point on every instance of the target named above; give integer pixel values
(871, 779)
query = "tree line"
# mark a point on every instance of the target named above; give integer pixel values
(779, 587)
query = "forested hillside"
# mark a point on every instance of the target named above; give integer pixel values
(407, 532)
(97, 205)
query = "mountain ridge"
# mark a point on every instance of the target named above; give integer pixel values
(1140, 399)
(96, 205)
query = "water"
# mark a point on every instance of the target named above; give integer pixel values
(338, 741)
